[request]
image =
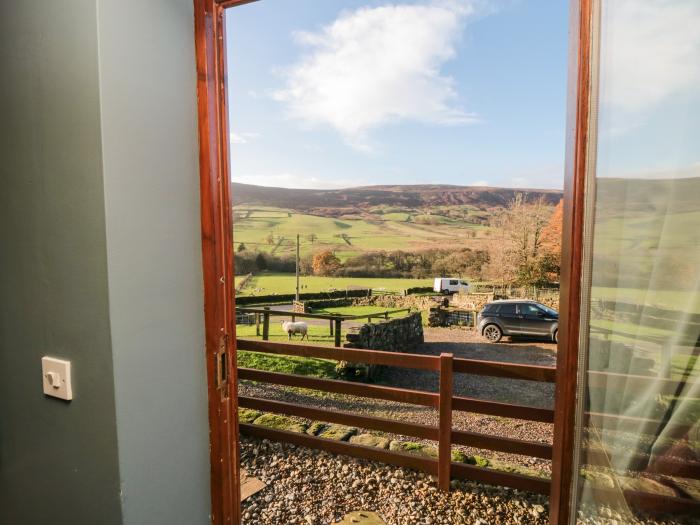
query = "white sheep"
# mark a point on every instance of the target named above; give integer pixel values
(299, 327)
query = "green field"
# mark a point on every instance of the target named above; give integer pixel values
(274, 230)
(283, 283)
(317, 335)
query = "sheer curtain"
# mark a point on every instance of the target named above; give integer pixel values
(639, 412)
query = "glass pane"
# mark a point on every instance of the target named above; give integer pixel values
(638, 418)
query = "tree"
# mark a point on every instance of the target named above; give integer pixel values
(242, 247)
(517, 253)
(325, 263)
(261, 262)
(271, 239)
(551, 240)
(312, 237)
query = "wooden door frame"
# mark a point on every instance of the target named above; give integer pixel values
(217, 261)
(580, 82)
(217, 258)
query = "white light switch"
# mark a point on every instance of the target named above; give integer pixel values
(56, 378)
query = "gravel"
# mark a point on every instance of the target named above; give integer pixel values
(308, 487)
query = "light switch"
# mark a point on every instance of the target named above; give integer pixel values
(56, 378)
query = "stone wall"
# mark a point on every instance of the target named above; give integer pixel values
(394, 335)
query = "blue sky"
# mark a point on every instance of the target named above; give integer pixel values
(329, 94)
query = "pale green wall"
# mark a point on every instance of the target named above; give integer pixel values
(149, 129)
(100, 264)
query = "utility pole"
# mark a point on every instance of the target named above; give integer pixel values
(297, 268)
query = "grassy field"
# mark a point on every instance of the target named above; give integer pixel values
(305, 366)
(318, 334)
(382, 229)
(358, 310)
(283, 283)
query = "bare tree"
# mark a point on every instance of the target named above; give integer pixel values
(516, 251)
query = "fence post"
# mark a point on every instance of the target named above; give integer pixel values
(337, 332)
(445, 425)
(266, 324)
(330, 322)
(257, 324)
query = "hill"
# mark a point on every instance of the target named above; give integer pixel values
(351, 201)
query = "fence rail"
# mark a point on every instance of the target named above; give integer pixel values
(335, 320)
(443, 401)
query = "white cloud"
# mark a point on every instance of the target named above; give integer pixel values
(379, 65)
(291, 180)
(649, 52)
(484, 183)
(243, 138)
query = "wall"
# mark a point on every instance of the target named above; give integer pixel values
(101, 264)
(395, 335)
(58, 460)
(151, 174)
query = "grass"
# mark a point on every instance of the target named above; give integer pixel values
(318, 334)
(305, 366)
(285, 283)
(358, 310)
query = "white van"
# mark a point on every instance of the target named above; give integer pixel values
(450, 285)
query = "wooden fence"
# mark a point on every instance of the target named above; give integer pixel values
(445, 402)
(335, 321)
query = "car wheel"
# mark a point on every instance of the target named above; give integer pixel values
(556, 336)
(493, 333)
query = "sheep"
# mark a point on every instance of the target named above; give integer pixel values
(299, 327)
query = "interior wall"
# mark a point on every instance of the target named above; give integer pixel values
(58, 460)
(151, 171)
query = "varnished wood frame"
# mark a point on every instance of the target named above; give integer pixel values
(561, 504)
(218, 266)
(217, 261)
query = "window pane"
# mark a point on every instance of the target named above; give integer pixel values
(638, 414)
(508, 309)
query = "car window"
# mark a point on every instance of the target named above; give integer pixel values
(507, 309)
(550, 311)
(453, 282)
(530, 309)
(465, 283)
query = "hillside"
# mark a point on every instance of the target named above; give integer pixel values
(357, 220)
(335, 203)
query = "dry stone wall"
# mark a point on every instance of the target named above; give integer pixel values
(394, 335)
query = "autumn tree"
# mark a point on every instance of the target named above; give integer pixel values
(551, 241)
(517, 254)
(325, 263)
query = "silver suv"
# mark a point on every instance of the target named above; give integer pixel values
(517, 317)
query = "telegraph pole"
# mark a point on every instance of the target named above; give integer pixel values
(297, 267)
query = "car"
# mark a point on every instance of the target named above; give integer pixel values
(517, 317)
(450, 285)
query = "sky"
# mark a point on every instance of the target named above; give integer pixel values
(341, 93)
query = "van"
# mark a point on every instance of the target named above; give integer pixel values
(450, 285)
